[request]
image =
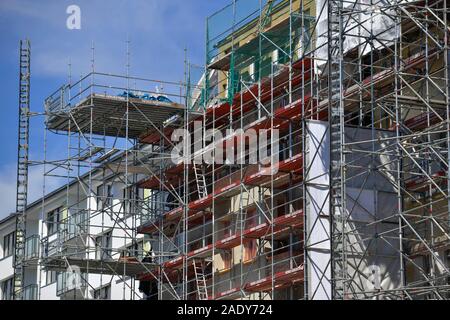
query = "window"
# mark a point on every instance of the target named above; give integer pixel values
(250, 249)
(131, 197)
(50, 277)
(53, 219)
(103, 293)
(275, 56)
(226, 258)
(104, 196)
(8, 244)
(7, 289)
(109, 196)
(103, 246)
(252, 72)
(252, 218)
(99, 196)
(226, 255)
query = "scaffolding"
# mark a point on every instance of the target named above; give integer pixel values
(366, 86)
(353, 204)
(22, 165)
(104, 119)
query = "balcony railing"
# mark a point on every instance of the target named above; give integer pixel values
(30, 292)
(32, 245)
(69, 282)
(73, 226)
(49, 248)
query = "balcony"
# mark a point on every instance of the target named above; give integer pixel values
(71, 282)
(32, 245)
(30, 292)
(73, 226)
(49, 248)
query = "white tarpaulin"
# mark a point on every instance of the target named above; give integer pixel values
(371, 205)
(368, 18)
(317, 211)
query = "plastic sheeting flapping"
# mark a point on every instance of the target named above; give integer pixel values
(368, 19)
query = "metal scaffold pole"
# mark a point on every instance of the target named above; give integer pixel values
(336, 112)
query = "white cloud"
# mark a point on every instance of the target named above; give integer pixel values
(158, 30)
(8, 178)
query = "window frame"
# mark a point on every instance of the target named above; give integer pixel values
(53, 224)
(4, 285)
(103, 246)
(99, 293)
(49, 280)
(8, 248)
(105, 195)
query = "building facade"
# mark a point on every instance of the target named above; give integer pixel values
(353, 102)
(56, 230)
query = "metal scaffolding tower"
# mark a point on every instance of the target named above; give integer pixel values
(337, 136)
(22, 164)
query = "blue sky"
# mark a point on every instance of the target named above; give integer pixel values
(158, 31)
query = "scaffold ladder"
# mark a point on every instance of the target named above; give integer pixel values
(22, 165)
(200, 180)
(241, 214)
(337, 157)
(200, 280)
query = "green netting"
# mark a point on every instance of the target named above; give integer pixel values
(222, 24)
(243, 53)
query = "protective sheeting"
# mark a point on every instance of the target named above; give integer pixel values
(371, 204)
(317, 211)
(373, 261)
(371, 162)
(368, 18)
